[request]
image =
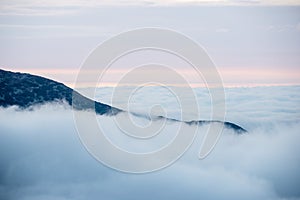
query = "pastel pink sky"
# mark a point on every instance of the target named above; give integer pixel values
(251, 42)
(232, 77)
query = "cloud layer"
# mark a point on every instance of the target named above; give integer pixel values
(43, 158)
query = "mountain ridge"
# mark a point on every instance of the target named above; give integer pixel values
(26, 90)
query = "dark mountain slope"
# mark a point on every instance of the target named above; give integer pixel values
(25, 90)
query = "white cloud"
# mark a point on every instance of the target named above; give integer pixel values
(62, 7)
(42, 157)
(273, 105)
(55, 31)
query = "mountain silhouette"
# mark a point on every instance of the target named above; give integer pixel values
(25, 91)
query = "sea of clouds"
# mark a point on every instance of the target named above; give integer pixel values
(42, 157)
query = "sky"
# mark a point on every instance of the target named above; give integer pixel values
(252, 42)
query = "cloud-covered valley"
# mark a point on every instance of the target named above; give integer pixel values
(42, 156)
